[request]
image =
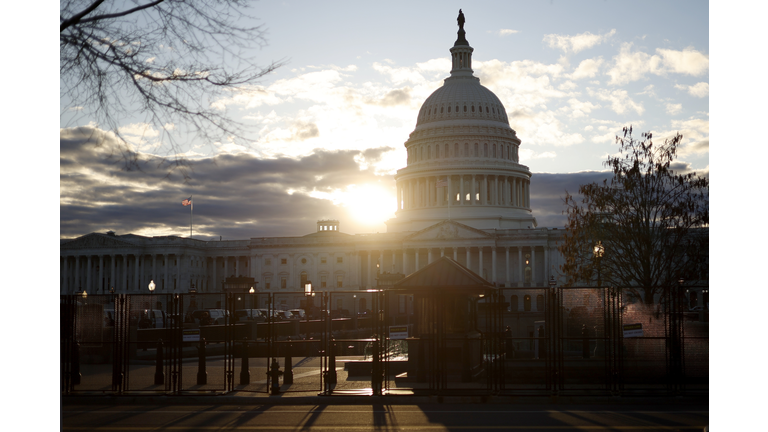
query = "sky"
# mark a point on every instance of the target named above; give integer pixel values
(328, 128)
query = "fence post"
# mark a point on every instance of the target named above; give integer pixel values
(288, 375)
(584, 341)
(245, 373)
(159, 376)
(332, 378)
(76, 376)
(274, 374)
(202, 375)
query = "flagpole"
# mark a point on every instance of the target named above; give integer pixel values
(191, 206)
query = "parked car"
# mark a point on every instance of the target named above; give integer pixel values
(250, 315)
(273, 317)
(284, 315)
(298, 313)
(217, 316)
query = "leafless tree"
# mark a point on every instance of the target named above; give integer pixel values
(163, 61)
(652, 223)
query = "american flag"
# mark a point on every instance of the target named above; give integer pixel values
(187, 202)
(441, 183)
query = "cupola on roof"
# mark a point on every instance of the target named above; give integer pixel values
(462, 96)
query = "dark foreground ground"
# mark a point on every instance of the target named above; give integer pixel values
(306, 413)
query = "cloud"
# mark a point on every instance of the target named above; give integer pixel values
(504, 32)
(619, 100)
(548, 191)
(631, 66)
(673, 109)
(397, 97)
(700, 90)
(236, 195)
(576, 43)
(587, 69)
(577, 109)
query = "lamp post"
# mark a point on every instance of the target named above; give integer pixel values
(598, 254)
(251, 291)
(354, 308)
(309, 293)
(151, 287)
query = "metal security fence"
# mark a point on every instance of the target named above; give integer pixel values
(513, 341)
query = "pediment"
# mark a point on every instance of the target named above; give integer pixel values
(449, 230)
(95, 240)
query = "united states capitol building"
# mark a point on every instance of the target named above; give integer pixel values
(463, 194)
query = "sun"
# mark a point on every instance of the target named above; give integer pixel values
(369, 204)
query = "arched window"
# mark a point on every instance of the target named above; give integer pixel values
(445, 151)
(540, 303)
(527, 303)
(513, 303)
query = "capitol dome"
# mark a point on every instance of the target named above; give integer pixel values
(463, 162)
(462, 99)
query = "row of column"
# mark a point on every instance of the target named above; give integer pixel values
(463, 190)
(128, 272)
(473, 257)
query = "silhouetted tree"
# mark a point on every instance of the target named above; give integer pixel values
(167, 60)
(652, 222)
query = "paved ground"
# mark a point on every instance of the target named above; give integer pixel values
(383, 417)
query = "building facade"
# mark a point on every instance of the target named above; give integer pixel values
(463, 194)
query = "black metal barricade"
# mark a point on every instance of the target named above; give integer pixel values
(514, 341)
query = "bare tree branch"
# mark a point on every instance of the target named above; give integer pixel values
(164, 63)
(652, 222)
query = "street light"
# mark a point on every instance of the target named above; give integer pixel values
(598, 253)
(354, 307)
(309, 294)
(151, 291)
(251, 291)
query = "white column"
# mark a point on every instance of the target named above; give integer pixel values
(394, 261)
(368, 284)
(461, 189)
(442, 252)
(137, 283)
(113, 273)
(496, 190)
(467, 250)
(124, 276)
(178, 272)
(100, 281)
(165, 272)
(546, 265)
(493, 264)
(484, 191)
(472, 192)
(154, 267)
(533, 266)
(456, 254)
(88, 271)
(480, 267)
(506, 253)
(417, 259)
(429, 255)
(405, 261)
(521, 274)
(77, 284)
